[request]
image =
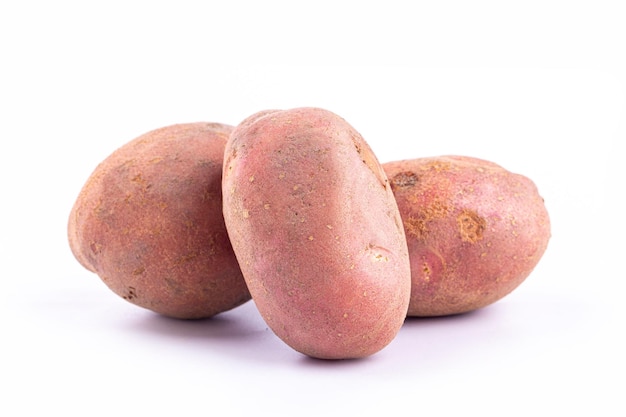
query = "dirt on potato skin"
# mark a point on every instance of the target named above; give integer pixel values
(475, 231)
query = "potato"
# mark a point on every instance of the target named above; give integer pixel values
(149, 222)
(475, 231)
(317, 232)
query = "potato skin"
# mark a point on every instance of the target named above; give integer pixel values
(475, 231)
(149, 222)
(317, 232)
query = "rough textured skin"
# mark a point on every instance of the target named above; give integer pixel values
(149, 222)
(317, 232)
(475, 231)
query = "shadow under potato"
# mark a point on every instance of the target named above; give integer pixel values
(239, 333)
(242, 334)
(220, 326)
(470, 315)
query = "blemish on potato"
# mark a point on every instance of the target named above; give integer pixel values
(131, 293)
(139, 271)
(98, 209)
(246, 214)
(138, 179)
(415, 227)
(437, 166)
(380, 258)
(96, 248)
(404, 179)
(471, 226)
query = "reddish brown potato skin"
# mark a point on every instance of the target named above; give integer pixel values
(317, 232)
(149, 222)
(475, 231)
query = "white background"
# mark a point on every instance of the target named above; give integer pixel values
(536, 86)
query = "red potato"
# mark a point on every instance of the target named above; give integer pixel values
(317, 232)
(475, 231)
(149, 222)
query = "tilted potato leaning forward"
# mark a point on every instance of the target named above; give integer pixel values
(317, 232)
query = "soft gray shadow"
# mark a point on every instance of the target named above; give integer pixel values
(422, 344)
(450, 319)
(316, 363)
(377, 359)
(239, 333)
(221, 326)
(516, 327)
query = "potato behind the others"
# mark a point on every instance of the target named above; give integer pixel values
(317, 232)
(149, 222)
(475, 231)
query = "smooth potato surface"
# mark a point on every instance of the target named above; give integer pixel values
(475, 231)
(149, 222)
(317, 232)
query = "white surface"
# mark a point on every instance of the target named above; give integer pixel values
(539, 88)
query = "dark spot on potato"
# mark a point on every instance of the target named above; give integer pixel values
(426, 271)
(131, 293)
(471, 226)
(404, 179)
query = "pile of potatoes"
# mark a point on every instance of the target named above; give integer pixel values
(291, 208)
